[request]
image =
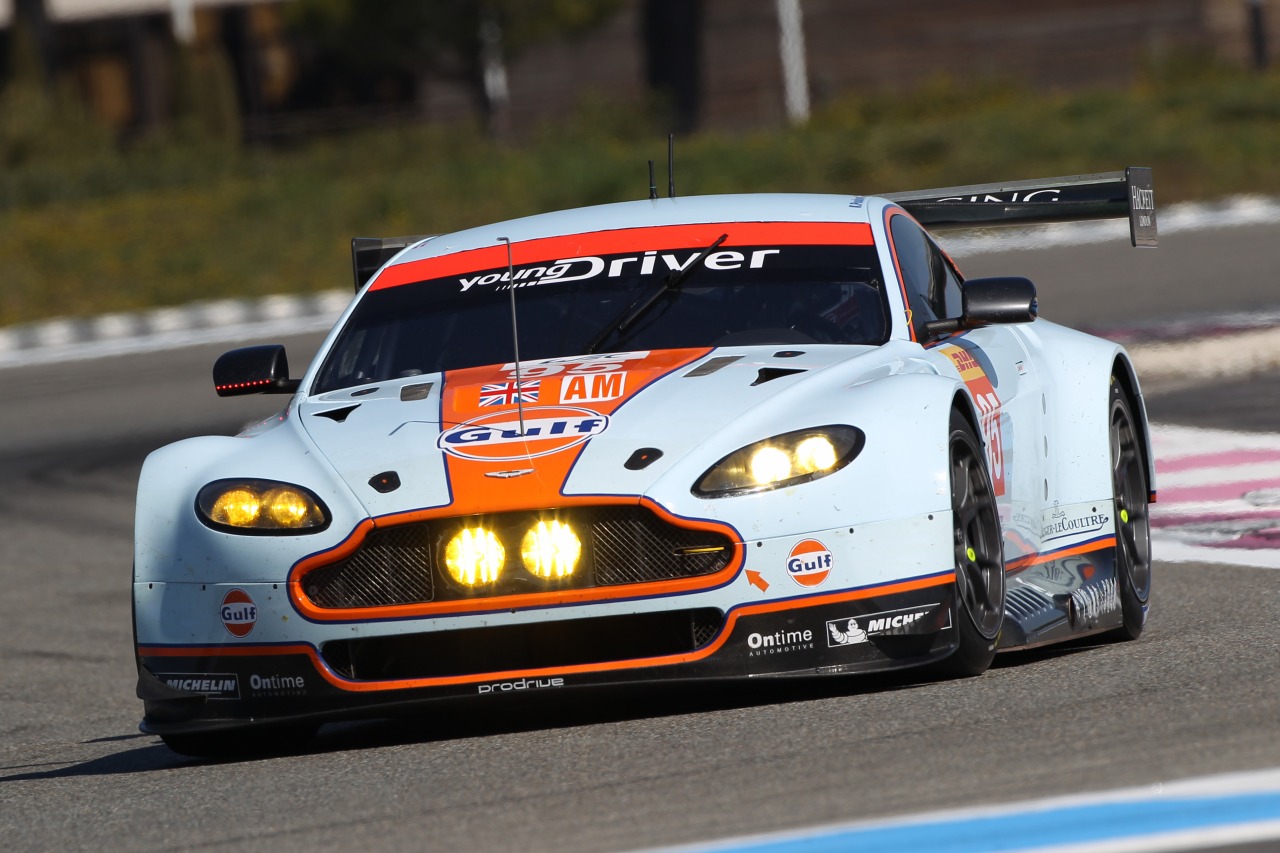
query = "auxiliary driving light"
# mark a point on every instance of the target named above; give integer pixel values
(474, 556)
(550, 549)
(260, 506)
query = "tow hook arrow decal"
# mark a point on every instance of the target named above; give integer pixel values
(507, 475)
(756, 579)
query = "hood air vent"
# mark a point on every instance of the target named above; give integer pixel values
(709, 367)
(768, 374)
(338, 415)
(419, 391)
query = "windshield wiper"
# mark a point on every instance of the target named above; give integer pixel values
(642, 303)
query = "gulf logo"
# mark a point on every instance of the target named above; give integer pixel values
(497, 437)
(809, 563)
(238, 613)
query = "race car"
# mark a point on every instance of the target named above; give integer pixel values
(738, 436)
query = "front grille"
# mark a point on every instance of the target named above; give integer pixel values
(391, 566)
(515, 648)
(622, 545)
(632, 545)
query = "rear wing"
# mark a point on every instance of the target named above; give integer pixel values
(368, 254)
(1110, 195)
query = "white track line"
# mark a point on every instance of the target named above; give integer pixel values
(1242, 784)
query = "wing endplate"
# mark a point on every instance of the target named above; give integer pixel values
(1109, 195)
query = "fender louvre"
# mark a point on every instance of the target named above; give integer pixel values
(1108, 195)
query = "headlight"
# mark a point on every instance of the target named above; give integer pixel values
(784, 460)
(260, 506)
(474, 557)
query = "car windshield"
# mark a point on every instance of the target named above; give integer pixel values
(829, 294)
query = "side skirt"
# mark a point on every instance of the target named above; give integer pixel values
(1054, 598)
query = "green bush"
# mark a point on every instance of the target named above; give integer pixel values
(87, 226)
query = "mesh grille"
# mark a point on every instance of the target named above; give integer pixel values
(706, 625)
(624, 545)
(393, 566)
(634, 546)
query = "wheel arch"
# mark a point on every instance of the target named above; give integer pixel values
(1123, 372)
(962, 402)
(1076, 386)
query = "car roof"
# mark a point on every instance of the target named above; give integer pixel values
(689, 210)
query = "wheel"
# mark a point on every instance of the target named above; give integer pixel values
(241, 743)
(979, 555)
(1133, 524)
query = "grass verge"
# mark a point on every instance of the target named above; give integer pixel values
(165, 223)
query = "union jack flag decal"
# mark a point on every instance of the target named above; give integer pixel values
(507, 393)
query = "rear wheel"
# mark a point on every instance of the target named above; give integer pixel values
(241, 743)
(1133, 527)
(979, 554)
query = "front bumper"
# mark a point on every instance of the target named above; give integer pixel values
(881, 627)
(840, 600)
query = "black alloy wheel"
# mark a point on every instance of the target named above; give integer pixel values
(979, 555)
(1132, 516)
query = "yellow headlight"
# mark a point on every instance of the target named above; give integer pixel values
(815, 453)
(236, 507)
(781, 461)
(550, 550)
(261, 506)
(474, 556)
(289, 508)
(769, 464)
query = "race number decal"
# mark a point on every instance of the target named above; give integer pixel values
(984, 395)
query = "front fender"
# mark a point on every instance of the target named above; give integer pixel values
(1077, 410)
(902, 470)
(172, 544)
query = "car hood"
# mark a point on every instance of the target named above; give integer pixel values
(617, 426)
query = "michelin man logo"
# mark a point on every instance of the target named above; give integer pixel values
(848, 636)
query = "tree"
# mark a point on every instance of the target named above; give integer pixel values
(672, 37)
(31, 18)
(464, 40)
(40, 119)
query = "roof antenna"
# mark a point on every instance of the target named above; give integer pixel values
(515, 333)
(653, 187)
(671, 165)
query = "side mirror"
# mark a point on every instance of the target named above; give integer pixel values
(253, 370)
(989, 302)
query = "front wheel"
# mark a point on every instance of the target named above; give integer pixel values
(1132, 518)
(979, 555)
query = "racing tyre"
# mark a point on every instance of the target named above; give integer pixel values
(241, 743)
(1133, 526)
(979, 555)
